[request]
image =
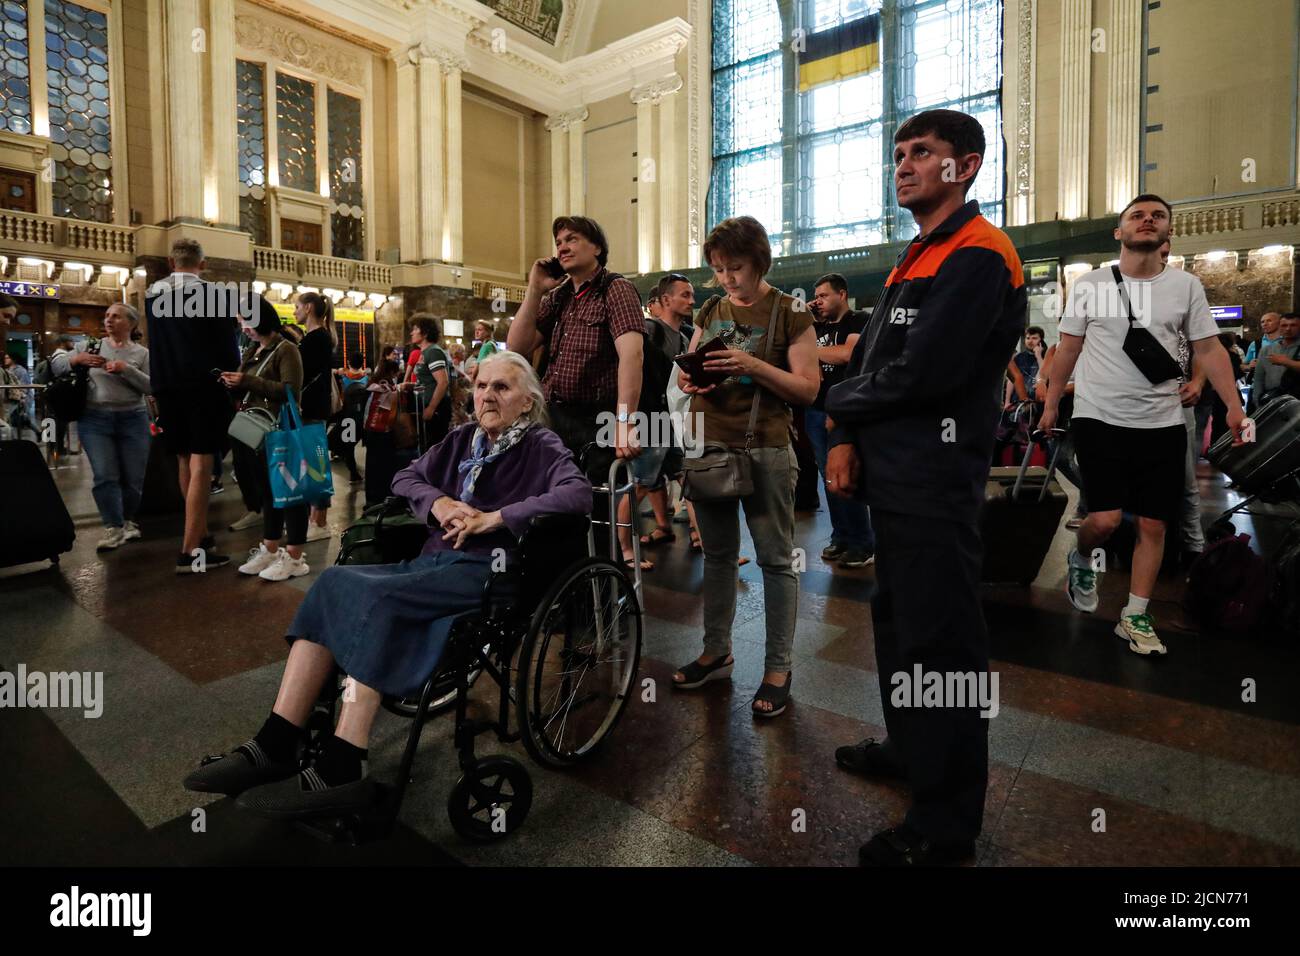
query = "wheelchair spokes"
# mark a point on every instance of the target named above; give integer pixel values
(578, 663)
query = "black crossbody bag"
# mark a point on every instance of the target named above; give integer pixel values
(1142, 348)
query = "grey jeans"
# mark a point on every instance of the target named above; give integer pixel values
(1193, 537)
(769, 513)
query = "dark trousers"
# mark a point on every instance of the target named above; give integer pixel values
(245, 462)
(927, 612)
(577, 426)
(383, 461)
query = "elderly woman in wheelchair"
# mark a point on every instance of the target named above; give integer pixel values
(386, 626)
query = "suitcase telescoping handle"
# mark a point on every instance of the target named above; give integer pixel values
(1037, 437)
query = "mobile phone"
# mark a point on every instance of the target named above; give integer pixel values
(554, 269)
(216, 372)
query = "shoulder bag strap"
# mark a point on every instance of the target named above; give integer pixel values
(767, 350)
(1123, 293)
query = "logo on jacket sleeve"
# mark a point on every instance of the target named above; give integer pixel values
(902, 316)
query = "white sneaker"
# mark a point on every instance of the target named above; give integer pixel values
(259, 559)
(1141, 635)
(316, 533)
(131, 530)
(1081, 586)
(251, 519)
(113, 538)
(285, 567)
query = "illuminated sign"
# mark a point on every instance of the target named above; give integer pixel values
(1226, 314)
(30, 290)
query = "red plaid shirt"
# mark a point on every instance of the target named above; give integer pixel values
(583, 363)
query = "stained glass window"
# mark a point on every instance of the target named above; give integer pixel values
(250, 116)
(347, 218)
(295, 117)
(76, 63)
(928, 54)
(15, 87)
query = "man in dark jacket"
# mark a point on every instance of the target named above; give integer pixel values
(913, 432)
(192, 333)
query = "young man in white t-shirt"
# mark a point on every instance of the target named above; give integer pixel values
(1129, 433)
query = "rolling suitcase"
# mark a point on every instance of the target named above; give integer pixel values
(36, 523)
(1258, 466)
(1022, 512)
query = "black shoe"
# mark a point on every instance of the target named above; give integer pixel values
(305, 794)
(216, 487)
(856, 558)
(871, 758)
(903, 846)
(244, 767)
(832, 552)
(697, 674)
(211, 559)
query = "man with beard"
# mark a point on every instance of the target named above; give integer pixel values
(1129, 433)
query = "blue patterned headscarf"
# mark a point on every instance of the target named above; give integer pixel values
(481, 454)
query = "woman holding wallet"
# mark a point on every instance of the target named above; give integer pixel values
(269, 366)
(771, 365)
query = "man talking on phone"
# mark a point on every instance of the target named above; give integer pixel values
(592, 326)
(914, 420)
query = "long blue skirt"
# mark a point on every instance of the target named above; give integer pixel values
(387, 624)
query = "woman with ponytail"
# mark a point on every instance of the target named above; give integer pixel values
(316, 313)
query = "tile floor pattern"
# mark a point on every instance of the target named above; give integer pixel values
(1186, 772)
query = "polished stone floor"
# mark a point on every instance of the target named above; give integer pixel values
(1185, 770)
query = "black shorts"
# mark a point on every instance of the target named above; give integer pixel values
(194, 419)
(1138, 470)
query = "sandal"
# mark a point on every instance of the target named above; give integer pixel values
(646, 563)
(742, 561)
(695, 541)
(698, 674)
(778, 697)
(658, 536)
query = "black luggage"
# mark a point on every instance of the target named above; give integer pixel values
(35, 522)
(161, 494)
(1022, 512)
(1258, 467)
(386, 533)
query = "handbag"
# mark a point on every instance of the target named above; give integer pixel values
(726, 474)
(383, 408)
(1142, 348)
(298, 459)
(250, 426)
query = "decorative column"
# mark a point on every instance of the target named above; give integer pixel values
(185, 96)
(671, 238)
(646, 178)
(408, 176)
(431, 165)
(1124, 103)
(1020, 81)
(1076, 64)
(453, 248)
(225, 123)
(558, 126)
(577, 162)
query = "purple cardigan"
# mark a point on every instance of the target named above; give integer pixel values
(537, 476)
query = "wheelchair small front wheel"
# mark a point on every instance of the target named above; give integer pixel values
(578, 662)
(491, 799)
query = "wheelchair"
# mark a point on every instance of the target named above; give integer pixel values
(558, 631)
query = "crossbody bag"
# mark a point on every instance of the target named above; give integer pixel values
(725, 474)
(250, 426)
(1142, 348)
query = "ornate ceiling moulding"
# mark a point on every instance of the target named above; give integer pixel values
(291, 47)
(332, 29)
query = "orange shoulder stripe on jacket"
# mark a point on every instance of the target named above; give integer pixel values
(978, 233)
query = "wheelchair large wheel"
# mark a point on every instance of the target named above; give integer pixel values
(491, 799)
(578, 662)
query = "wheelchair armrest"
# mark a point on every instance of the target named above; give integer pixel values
(551, 527)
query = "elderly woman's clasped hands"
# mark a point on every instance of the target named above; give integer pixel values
(461, 521)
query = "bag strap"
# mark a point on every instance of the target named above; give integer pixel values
(290, 410)
(1123, 293)
(767, 350)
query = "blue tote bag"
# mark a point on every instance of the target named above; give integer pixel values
(298, 459)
